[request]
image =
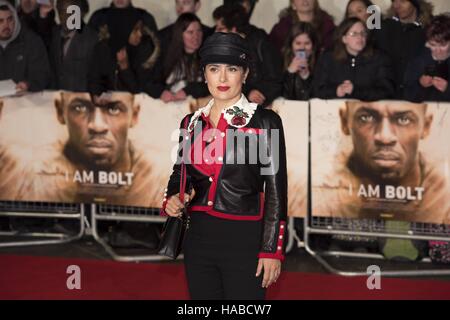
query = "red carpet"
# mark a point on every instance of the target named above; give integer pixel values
(45, 278)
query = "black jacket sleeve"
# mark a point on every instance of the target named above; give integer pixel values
(102, 77)
(322, 88)
(383, 87)
(296, 88)
(38, 72)
(276, 187)
(269, 78)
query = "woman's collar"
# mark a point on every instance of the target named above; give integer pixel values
(237, 115)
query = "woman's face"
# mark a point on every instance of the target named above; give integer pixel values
(302, 42)
(136, 35)
(355, 39)
(358, 10)
(225, 81)
(303, 5)
(122, 3)
(404, 9)
(193, 37)
(440, 51)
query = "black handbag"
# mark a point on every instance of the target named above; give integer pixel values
(174, 230)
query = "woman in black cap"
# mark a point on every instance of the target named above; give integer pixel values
(238, 206)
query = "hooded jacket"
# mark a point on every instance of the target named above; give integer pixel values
(23, 57)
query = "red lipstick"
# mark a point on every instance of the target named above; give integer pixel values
(223, 88)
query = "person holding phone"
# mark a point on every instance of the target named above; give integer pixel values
(299, 55)
(427, 77)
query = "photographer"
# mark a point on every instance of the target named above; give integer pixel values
(427, 75)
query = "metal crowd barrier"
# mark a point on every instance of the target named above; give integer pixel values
(371, 228)
(104, 212)
(40, 210)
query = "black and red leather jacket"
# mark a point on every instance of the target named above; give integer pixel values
(230, 181)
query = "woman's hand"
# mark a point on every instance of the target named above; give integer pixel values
(174, 207)
(426, 81)
(440, 84)
(122, 59)
(295, 65)
(344, 88)
(272, 271)
(22, 87)
(256, 96)
(180, 95)
(167, 96)
(45, 9)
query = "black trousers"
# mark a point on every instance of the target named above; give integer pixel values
(221, 258)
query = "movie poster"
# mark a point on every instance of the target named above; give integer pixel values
(294, 115)
(62, 147)
(386, 159)
(58, 147)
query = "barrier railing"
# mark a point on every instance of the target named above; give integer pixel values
(104, 212)
(40, 210)
(371, 228)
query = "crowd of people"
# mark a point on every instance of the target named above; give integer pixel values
(305, 55)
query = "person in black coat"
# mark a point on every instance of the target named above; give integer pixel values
(125, 56)
(300, 53)
(181, 6)
(179, 74)
(71, 51)
(353, 69)
(23, 57)
(427, 77)
(402, 36)
(265, 82)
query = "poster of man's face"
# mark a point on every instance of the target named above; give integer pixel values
(76, 148)
(385, 137)
(98, 129)
(385, 159)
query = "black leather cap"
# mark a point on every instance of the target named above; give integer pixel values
(228, 48)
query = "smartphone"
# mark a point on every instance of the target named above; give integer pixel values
(300, 54)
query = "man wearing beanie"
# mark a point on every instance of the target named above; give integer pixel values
(402, 36)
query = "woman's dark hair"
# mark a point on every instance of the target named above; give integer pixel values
(439, 29)
(318, 20)
(340, 51)
(298, 29)
(367, 3)
(177, 54)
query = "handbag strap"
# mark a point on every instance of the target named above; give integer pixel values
(183, 165)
